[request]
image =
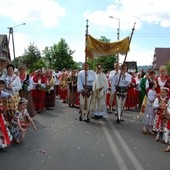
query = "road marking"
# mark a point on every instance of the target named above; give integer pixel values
(121, 163)
(127, 150)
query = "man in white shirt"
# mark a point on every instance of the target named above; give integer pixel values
(120, 83)
(85, 89)
(112, 93)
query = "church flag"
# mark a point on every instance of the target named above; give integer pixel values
(96, 48)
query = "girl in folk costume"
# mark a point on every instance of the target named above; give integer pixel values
(149, 111)
(26, 91)
(167, 128)
(13, 85)
(50, 92)
(163, 80)
(38, 92)
(21, 121)
(100, 85)
(130, 100)
(72, 86)
(166, 134)
(160, 104)
(152, 78)
(5, 135)
(63, 87)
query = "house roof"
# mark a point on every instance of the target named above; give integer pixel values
(162, 56)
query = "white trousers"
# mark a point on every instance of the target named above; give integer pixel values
(120, 102)
(85, 107)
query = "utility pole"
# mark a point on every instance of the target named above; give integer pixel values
(11, 33)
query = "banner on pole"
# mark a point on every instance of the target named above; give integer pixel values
(96, 48)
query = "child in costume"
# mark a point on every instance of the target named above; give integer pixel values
(21, 122)
(161, 105)
(149, 111)
(5, 135)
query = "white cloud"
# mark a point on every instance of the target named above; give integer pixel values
(131, 11)
(128, 12)
(45, 11)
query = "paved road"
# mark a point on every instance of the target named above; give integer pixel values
(62, 142)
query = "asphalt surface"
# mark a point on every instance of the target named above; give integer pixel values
(62, 142)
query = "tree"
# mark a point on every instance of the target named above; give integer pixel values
(168, 67)
(59, 56)
(30, 58)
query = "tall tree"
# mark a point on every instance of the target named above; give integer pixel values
(59, 56)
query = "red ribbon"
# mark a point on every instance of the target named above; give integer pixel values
(4, 130)
(160, 111)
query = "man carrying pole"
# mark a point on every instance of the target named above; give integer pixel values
(85, 81)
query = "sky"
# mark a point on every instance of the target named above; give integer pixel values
(47, 21)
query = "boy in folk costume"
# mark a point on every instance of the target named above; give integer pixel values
(160, 104)
(100, 85)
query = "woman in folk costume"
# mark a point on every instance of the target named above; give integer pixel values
(108, 94)
(100, 85)
(38, 92)
(63, 86)
(163, 80)
(5, 135)
(160, 104)
(13, 85)
(77, 94)
(26, 91)
(50, 92)
(138, 79)
(130, 99)
(72, 88)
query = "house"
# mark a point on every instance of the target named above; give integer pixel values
(4, 48)
(161, 57)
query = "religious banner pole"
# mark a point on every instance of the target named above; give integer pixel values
(133, 29)
(85, 66)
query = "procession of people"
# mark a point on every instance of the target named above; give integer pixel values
(94, 92)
